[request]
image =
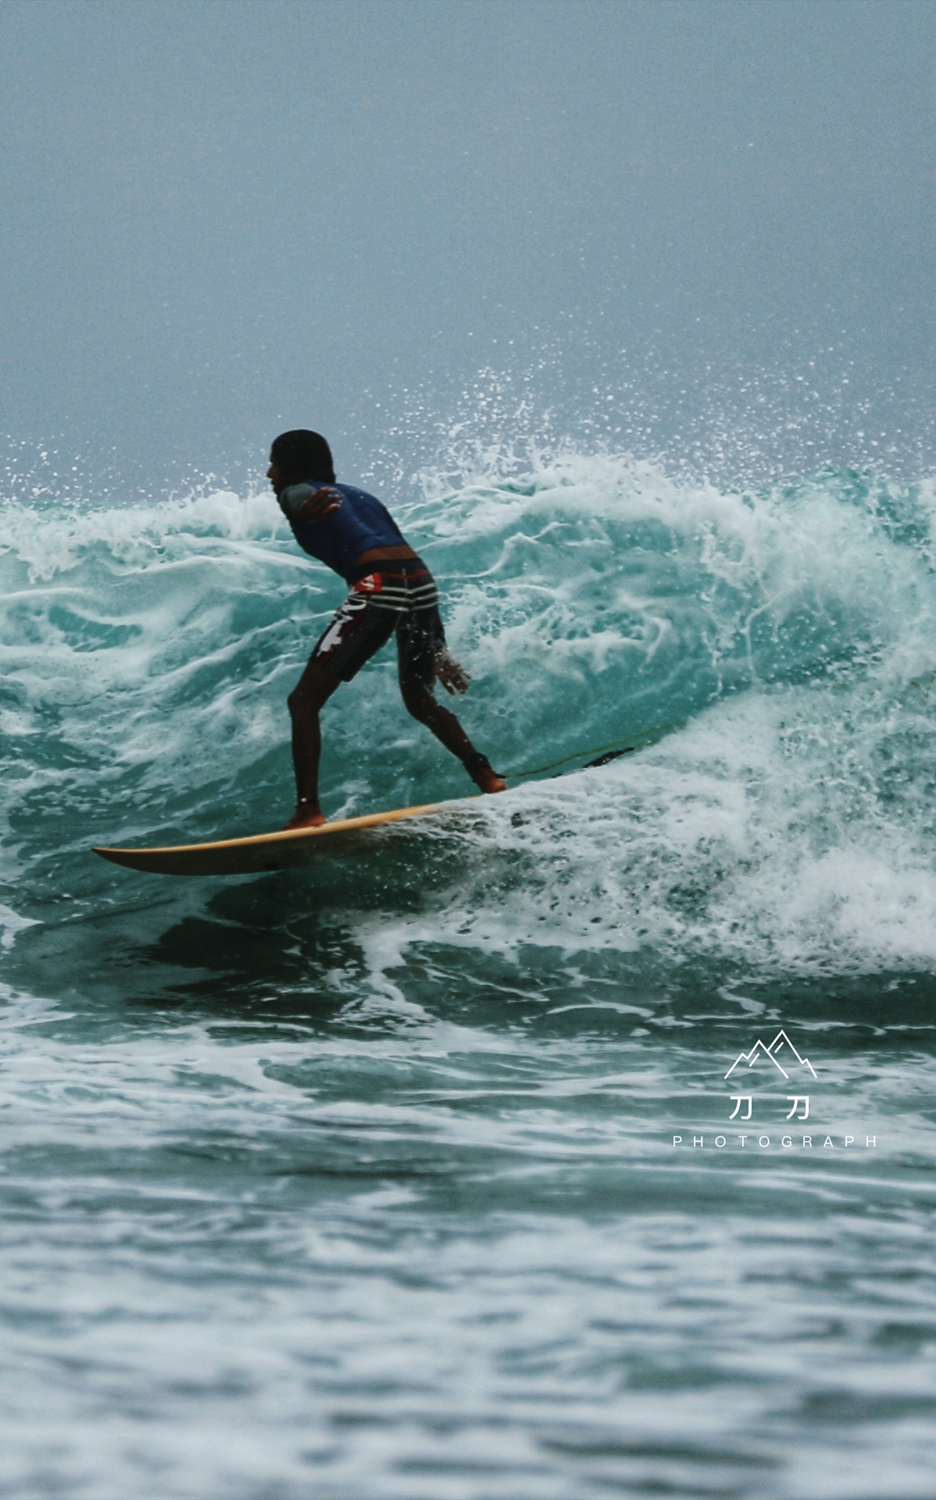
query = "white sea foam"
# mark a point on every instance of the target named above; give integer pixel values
(781, 641)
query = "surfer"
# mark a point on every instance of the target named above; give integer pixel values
(392, 592)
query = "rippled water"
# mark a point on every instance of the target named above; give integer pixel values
(401, 1176)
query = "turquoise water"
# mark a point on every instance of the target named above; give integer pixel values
(400, 1177)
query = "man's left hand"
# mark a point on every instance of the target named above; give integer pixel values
(451, 674)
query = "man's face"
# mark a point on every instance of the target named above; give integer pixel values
(275, 476)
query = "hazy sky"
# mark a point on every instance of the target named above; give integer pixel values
(222, 217)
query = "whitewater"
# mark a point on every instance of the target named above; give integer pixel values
(399, 1177)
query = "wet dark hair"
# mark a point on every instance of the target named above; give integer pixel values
(303, 455)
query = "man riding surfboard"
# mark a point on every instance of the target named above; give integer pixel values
(392, 593)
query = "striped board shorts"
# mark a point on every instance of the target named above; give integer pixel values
(400, 599)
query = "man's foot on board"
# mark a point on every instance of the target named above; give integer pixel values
(480, 770)
(307, 815)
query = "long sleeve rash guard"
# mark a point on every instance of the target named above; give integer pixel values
(359, 524)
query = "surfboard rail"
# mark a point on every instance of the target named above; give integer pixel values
(286, 849)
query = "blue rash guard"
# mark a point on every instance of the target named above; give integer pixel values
(359, 524)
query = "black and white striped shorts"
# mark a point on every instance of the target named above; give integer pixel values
(401, 598)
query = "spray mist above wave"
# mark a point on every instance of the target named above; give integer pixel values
(697, 413)
(148, 651)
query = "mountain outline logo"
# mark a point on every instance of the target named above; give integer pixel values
(760, 1051)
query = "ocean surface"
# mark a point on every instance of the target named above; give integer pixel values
(453, 1170)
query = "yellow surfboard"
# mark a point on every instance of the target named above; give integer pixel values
(267, 851)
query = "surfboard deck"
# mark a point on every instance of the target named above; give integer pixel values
(267, 851)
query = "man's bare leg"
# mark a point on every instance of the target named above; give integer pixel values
(311, 692)
(421, 703)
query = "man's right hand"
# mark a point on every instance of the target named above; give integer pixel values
(318, 506)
